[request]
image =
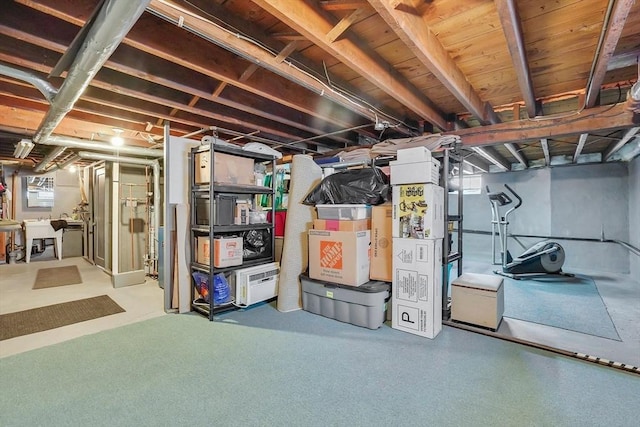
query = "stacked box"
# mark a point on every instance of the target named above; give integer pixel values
(417, 229)
(381, 267)
(339, 256)
(227, 251)
(416, 302)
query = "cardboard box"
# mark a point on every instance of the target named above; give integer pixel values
(415, 172)
(478, 299)
(228, 169)
(227, 251)
(413, 154)
(339, 256)
(418, 211)
(342, 225)
(416, 301)
(381, 243)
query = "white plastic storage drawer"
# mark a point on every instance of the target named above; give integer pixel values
(364, 305)
(344, 212)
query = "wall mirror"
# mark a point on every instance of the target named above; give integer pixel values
(39, 191)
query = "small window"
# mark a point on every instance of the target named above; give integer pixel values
(472, 184)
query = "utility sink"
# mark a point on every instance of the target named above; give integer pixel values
(41, 229)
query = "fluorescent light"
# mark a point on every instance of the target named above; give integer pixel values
(23, 148)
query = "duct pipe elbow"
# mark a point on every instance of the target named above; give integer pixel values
(633, 98)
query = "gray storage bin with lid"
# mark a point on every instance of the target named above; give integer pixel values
(363, 305)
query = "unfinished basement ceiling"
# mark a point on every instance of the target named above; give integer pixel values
(522, 83)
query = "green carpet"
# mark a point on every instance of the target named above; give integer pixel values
(260, 367)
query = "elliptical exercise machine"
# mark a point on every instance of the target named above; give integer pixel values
(543, 258)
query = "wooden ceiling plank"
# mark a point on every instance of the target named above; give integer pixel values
(508, 13)
(493, 157)
(581, 141)
(257, 55)
(613, 31)
(343, 4)
(415, 33)
(313, 24)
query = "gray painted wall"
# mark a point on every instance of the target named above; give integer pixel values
(572, 201)
(634, 215)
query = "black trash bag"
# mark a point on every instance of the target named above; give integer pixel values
(256, 244)
(368, 186)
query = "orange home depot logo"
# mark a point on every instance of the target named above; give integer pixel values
(331, 254)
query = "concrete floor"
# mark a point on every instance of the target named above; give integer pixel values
(141, 302)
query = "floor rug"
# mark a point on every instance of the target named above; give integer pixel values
(54, 316)
(571, 303)
(57, 276)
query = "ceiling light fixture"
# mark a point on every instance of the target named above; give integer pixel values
(23, 148)
(117, 140)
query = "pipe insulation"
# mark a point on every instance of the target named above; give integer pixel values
(82, 144)
(42, 85)
(113, 22)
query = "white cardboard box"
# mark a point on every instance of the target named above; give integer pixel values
(418, 211)
(415, 172)
(416, 301)
(413, 154)
(339, 256)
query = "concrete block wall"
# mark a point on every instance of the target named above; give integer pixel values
(572, 201)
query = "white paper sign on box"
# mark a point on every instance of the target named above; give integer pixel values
(416, 301)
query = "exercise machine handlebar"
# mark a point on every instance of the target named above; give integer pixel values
(516, 196)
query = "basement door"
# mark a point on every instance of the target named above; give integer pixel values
(98, 225)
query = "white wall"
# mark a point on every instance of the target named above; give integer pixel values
(572, 201)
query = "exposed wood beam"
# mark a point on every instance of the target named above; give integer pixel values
(416, 35)
(623, 60)
(348, 21)
(474, 164)
(596, 119)
(581, 141)
(515, 152)
(287, 50)
(342, 4)
(545, 150)
(493, 157)
(613, 31)
(510, 19)
(314, 24)
(223, 66)
(626, 138)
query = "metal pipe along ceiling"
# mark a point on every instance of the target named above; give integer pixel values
(115, 19)
(42, 85)
(69, 142)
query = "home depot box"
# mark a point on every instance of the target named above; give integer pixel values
(418, 211)
(416, 301)
(381, 239)
(342, 225)
(227, 251)
(339, 256)
(415, 172)
(228, 169)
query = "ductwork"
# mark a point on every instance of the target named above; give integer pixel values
(42, 85)
(155, 164)
(113, 22)
(55, 152)
(65, 141)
